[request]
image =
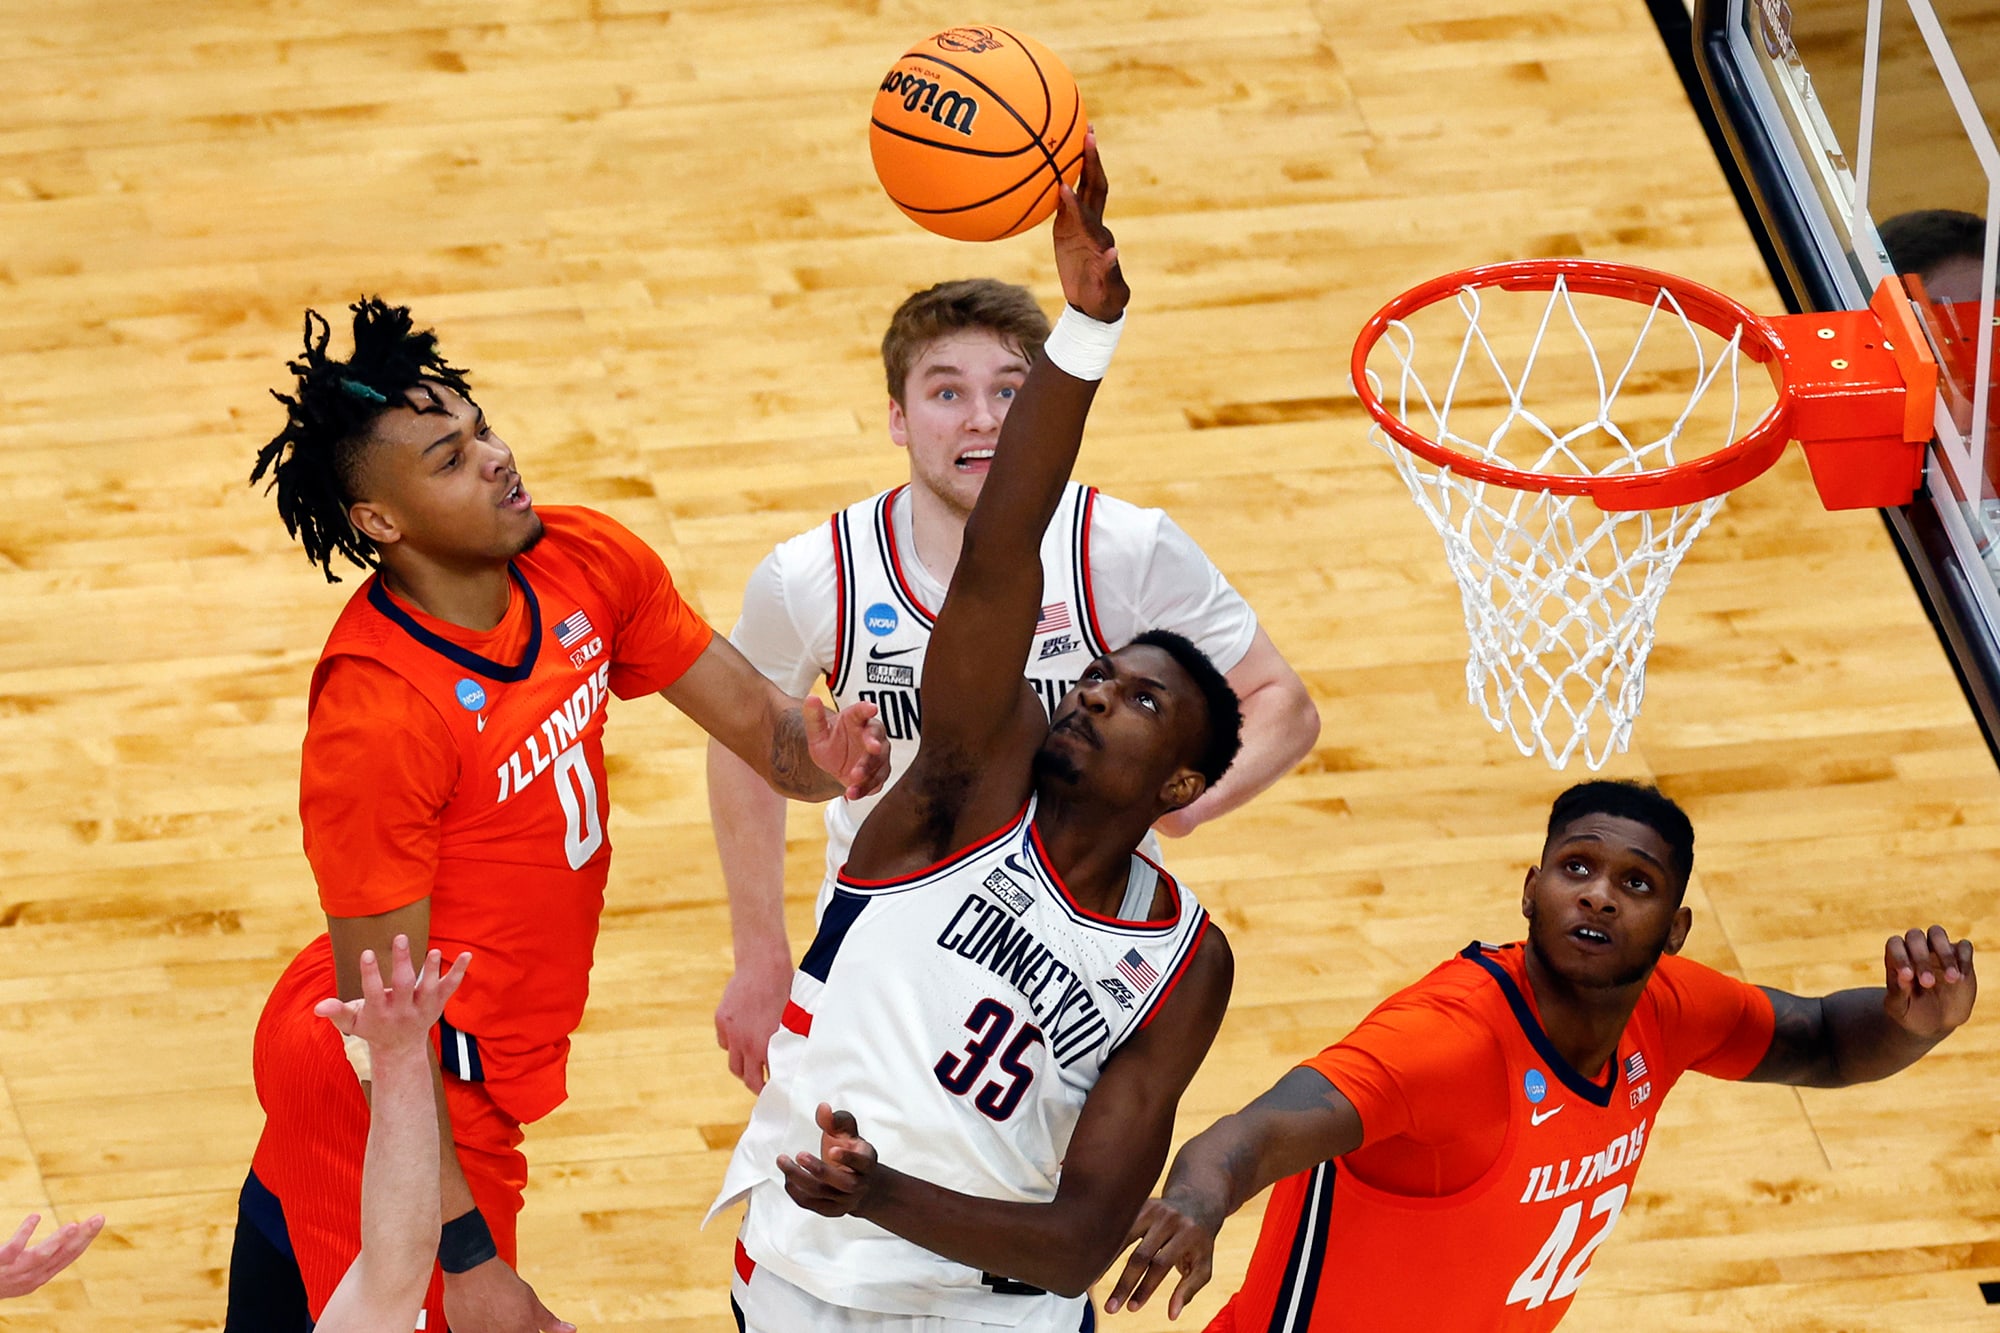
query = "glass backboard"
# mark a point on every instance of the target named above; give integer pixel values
(1859, 137)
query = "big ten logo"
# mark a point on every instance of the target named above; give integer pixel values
(947, 106)
(1642, 1094)
(587, 654)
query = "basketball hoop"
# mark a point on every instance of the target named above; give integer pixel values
(1560, 595)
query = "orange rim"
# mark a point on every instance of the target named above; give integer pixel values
(1690, 482)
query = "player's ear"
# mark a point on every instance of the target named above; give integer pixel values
(1528, 892)
(1183, 789)
(374, 522)
(1677, 934)
(899, 425)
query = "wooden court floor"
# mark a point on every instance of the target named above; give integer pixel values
(652, 231)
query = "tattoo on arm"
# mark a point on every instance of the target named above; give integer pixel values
(1800, 1053)
(793, 771)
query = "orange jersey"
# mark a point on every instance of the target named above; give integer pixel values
(469, 767)
(1459, 1088)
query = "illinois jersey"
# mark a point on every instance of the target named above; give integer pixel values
(963, 1014)
(470, 768)
(851, 602)
(1491, 1171)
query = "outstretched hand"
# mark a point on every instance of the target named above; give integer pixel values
(23, 1270)
(1930, 981)
(1167, 1236)
(402, 1013)
(1086, 254)
(835, 1183)
(851, 745)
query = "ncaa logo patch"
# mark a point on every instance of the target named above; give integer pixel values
(470, 696)
(1536, 1086)
(880, 619)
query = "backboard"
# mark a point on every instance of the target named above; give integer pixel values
(1858, 136)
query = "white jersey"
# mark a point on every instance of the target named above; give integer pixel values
(963, 1015)
(851, 602)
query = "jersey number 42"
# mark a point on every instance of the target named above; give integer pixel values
(1540, 1282)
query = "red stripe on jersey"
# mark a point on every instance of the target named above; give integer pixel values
(745, 1265)
(1089, 600)
(1200, 932)
(796, 1019)
(896, 557)
(933, 867)
(1042, 854)
(839, 601)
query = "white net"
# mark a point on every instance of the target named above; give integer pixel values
(1559, 595)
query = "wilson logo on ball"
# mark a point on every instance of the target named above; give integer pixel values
(947, 106)
(969, 40)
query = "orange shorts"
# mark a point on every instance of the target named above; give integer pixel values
(316, 1134)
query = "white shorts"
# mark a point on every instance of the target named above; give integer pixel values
(766, 1303)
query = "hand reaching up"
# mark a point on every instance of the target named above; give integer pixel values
(1086, 253)
(402, 1013)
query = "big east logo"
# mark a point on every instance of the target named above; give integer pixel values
(947, 106)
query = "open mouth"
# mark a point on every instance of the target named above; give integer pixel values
(516, 497)
(1590, 937)
(974, 459)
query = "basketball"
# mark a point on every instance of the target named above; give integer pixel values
(973, 128)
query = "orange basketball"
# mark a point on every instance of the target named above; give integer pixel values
(973, 128)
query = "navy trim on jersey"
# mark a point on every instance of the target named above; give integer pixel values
(841, 913)
(378, 597)
(844, 611)
(1093, 637)
(1593, 1093)
(458, 1054)
(263, 1211)
(885, 539)
(1293, 1310)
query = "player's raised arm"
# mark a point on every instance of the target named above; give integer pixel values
(800, 747)
(383, 1289)
(1858, 1036)
(1302, 1121)
(973, 689)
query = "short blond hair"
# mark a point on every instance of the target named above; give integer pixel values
(1002, 308)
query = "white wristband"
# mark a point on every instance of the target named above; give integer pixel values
(1080, 346)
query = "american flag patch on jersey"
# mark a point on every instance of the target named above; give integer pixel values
(1635, 1067)
(1055, 616)
(570, 632)
(1137, 970)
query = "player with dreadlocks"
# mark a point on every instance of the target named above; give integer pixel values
(452, 789)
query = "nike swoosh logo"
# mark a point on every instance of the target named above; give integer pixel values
(482, 721)
(1018, 868)
(1537, 1117)
(875, 653)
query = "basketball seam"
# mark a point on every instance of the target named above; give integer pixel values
(1048, 98)
(1047, 156)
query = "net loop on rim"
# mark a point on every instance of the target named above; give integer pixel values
(1559, 594)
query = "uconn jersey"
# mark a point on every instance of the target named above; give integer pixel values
(850, 601)
(963, 1015)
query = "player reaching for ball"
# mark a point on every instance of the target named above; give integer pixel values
(853, 602)
(975, 1082)
(1456, 1161)
(452, 789)
(384, 1286)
